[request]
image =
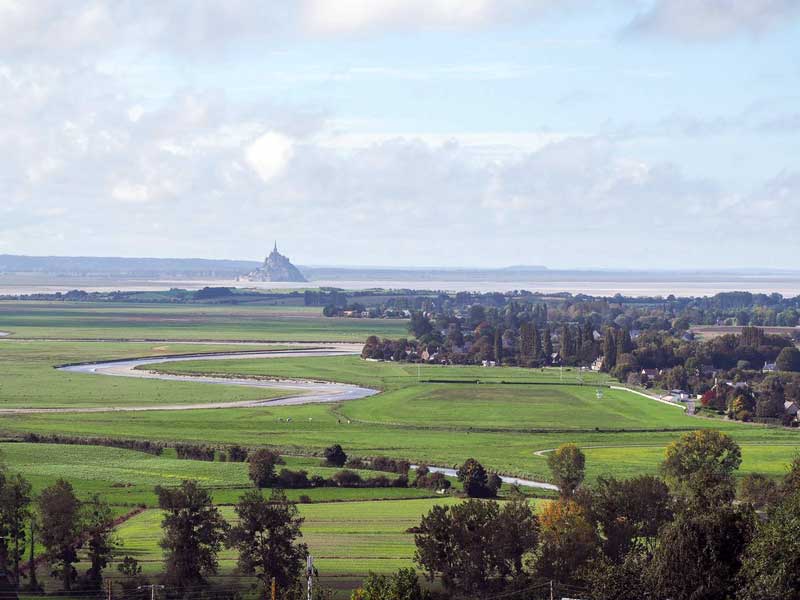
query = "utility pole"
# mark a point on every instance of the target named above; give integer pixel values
(274, 589)
(309, 573)
(109, 589)
(552, 597)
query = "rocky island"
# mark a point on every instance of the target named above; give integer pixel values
(276, 267)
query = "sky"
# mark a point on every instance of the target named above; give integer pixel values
(655, 134)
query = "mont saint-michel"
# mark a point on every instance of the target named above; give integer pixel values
(276, 267)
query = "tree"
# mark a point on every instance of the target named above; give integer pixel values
(419, 325)
(493, 484)
(498, 347)
(699, 467)
(525, 341)
(788, 359)
(770, 398)
(194, 532)
(609, 349)
(628, 512)
(15, 500)
(791, 481)
(609, 580)
(699, 553)
(566, 345)
(758, 490)
(261, 468)
(517, 533)
(335, 456)
(59, 510)
(466, 544)
(547, 345)
(475, 479)
(567, 464)
(266, 537)
(402, 585)
(132, 580)
(537, 344)
(568, 541)
(98, 526)
(771, 563)
(624, 342)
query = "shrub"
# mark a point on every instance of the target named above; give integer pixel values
(335, 456)
(194, 452)
(155, 448)
(347, 479)
(237, 454)
(318, 481)
(293, 479)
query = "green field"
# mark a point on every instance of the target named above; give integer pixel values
(117, 321)
(347, 540)
(28, 378)
(507, 418)
(127, 478)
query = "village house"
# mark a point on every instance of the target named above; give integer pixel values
(597, 365)
(791, 409)
(650, 373)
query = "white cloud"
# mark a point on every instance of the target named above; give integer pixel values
(348, 16)
(269, 154)
(714, 19)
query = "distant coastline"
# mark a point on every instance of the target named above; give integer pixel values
(26, 275)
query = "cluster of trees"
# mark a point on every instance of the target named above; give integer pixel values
(682, 536)
(266, 536)
(61, 524)
(263, 463)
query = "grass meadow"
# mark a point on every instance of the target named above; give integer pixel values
(28, 378)
(119, 321)
(507, 418)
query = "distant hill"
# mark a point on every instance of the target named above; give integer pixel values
(90, 266)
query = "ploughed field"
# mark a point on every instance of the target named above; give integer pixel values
(507, 418)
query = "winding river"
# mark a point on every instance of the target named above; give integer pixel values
(297, 391)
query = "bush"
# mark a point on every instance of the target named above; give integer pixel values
(293, 479)
(194, 452)
(335, 456)
(304, 499)
(237, 454)
(318, 481)
(431, 481)
(155, 448)
(356, 462)
(347, 479)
